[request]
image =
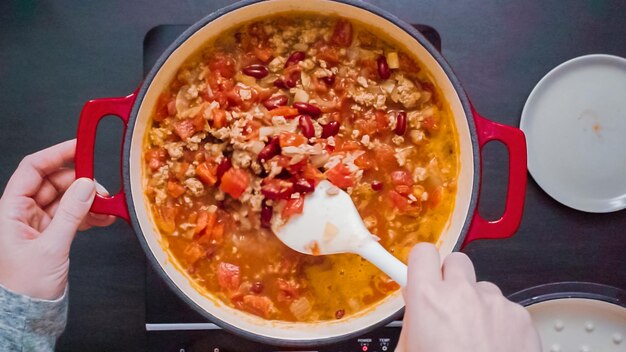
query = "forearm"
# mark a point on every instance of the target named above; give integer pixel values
(28, 324)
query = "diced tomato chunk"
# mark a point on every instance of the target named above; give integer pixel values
(364, 162)
(287, 290)
(228, 276)
(368, 68)
(193, 252)
(285, 111)
(293, 207)
(223, 64)
(259, 305)
(382, 122)
(263, 53)
(349, 146)
(185, 128)
(385, 285)
(162, 110)
(430, 123)
(435, 196)
(340, 176)
(288, 139)
(207, 173)
(234, 182)
(366, 126)
(213, 230)
(201, 222)
(219, 118)
(217, 234)
(155, 158)
(403, 189)
(236, 97)
(311, 173)
(329, 54)
(175, 189)
(206, 221)
(342, 34)
(385, 156)
(401, 177)
(198, 122)
(398, 200)
(402, 203)
(165, 217)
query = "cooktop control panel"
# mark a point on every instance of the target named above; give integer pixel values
(381, 340)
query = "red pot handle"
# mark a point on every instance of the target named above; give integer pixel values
(93, 112)
(515, 142)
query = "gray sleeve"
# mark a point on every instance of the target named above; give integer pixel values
(28, 324)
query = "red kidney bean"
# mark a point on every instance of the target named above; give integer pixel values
(306, 126)
(340, 313)
(257, 287)
(280, 83)
(257, 71)
(287, 83)
(400, 123)
(277, 189)
(304, 186)
(222, 167)
(383, 67)
(294, 58)
(377, 185)
(266, 216)
(308, 109)
(272, 103)
(271, 149)
(330, 129)
(293, 78)
(329, 80)
(342, 33)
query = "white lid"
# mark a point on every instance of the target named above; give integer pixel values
(580, 325)
(575, 126)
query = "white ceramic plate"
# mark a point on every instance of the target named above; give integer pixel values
(575, 126)
(578, 324)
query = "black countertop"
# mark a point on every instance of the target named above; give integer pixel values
(55, 55)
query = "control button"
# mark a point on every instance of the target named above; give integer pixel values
(364, 348)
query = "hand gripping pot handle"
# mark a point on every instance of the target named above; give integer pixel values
(92, 113)
(515, 142)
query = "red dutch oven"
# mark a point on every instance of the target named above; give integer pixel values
(465, 224)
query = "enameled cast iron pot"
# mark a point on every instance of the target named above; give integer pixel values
(465, 224)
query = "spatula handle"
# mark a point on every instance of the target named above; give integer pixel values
(385, 261)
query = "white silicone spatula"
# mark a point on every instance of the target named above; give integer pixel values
(330, 224)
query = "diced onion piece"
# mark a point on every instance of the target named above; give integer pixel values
(306, 80)
(300, 308)
(245, 79)
(265, 132)
(388, 86)
(392, 60)
(256, 146)
(353, 53)
(182, 103)
(301, 96)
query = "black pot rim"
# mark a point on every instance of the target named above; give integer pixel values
(131, 206)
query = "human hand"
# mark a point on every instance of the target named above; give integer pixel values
(448, 311)
(40, 211)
